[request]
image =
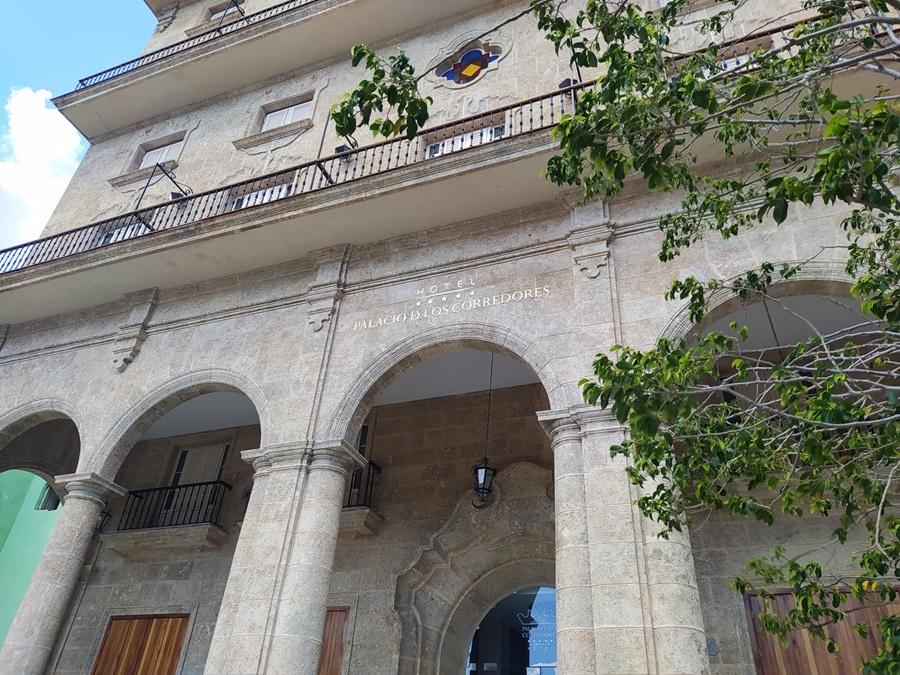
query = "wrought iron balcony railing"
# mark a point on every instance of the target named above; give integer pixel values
(493, 126)
(430, 145)
(185, 45)
(359, 490)
(190, 504)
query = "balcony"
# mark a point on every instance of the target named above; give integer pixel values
(187, 517)
(357, 517)
(284, 38)
(167, 518)
(191, 504)
(465, 169)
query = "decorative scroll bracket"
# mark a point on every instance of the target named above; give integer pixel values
(133, 332)
(590, 249)
(322, 306)
(166, 18)
(325, 292)
(590, 237)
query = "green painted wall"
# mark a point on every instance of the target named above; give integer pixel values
(23, 535)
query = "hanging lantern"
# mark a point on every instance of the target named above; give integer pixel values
(483, 473)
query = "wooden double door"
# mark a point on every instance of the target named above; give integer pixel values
(152, 645)
(805, 655)
(142, 645)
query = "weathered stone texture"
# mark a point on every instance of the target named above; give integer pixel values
(156, 580)
(312, 342)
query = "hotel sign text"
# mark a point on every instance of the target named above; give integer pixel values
(450, 297)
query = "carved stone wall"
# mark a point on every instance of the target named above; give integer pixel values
(476, 559)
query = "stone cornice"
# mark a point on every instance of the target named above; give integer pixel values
(511, 253)
(222, 43)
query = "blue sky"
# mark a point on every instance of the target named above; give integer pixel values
(46, 46)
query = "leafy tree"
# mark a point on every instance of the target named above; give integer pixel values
(807, 112)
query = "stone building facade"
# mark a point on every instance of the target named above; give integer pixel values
(328, 314)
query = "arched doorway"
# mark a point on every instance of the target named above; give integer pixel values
(425, 416)
(33, 450)
(167, 544)
(517, 636)
(792, 330)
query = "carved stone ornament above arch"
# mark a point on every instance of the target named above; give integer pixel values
(467, 59)
(816, 277)
(477, 558)
(354, 405)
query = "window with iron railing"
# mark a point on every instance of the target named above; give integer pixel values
(263, 195)
(122, 233)
(453, 139)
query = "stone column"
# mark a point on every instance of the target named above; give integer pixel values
(678, 633)
(647, 616)
(247, 614)
(575, 651)
(35, 628)
(300, 619)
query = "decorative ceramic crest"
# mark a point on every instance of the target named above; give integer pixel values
(469, 59)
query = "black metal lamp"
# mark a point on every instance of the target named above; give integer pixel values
(483, 473)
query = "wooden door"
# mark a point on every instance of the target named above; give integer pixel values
(142, 645)
(805, 655)
(332, 657)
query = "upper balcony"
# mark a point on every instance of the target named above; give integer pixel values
(465, 169)
(470, 168)
(287, 37)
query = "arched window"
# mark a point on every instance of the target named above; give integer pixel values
(518, 636)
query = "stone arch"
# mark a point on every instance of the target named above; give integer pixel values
(17, 426)
(409, 352)
(480, 598)
(121, 438)
(476, 559)
(814, 278)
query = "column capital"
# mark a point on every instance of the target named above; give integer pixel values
(579, 421)
(281, 457)
(90, 486)
(559, 425)
(337, 455)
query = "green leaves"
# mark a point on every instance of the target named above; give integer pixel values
(392, 90)
(706, 431)
(823, 439)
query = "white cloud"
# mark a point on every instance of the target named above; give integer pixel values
(38, 155)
